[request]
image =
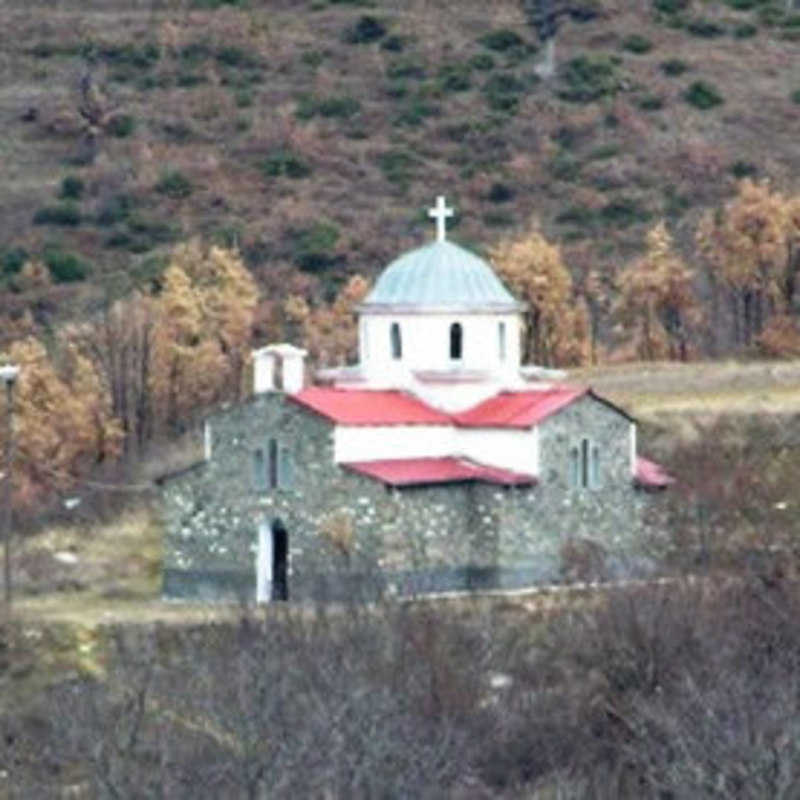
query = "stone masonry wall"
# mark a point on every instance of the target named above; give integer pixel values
(349, 534)
(408, 540)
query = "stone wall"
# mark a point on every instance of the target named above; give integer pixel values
(343, 528)
(349, 534)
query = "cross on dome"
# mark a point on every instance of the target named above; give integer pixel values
(440, 212)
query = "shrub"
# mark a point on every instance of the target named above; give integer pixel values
(745, 31)
(588, 78)
(416, 113)
(674, 67)
(502, 40)
(313, 247)
(342, 107)
(243, 98)
(500, 193)
(394, 44)
(71, 188)
(650, 102)
(482, 61)
(67, 214)
(114, 210)
(397, 165)
(704, 28)
(795, 96)
(702, 95)
(65, 267)
(174, 184)
(284, 163)
(498, 219)
(367, 30)
(564, 167)
(670, 6)
(635, 43)
(604, 151)
(743, 169)
(624, 212)
(12, 260)
(195, 53)
(237, 57)
(149, 233)
(121, 126)
(405, 68)
(580, 215)
(502, 91)
(397, 90)
(455, 77)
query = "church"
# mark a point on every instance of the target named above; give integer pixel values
(437, 463)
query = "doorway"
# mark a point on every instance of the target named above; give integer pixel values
(272, 563)
(280, 559)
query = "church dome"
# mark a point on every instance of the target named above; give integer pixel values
(440, 276)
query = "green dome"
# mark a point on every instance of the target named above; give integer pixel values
(439, 277)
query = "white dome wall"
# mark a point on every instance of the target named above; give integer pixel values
(426, 344)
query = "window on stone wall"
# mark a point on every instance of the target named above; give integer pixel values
(259, 470)
(584, 465)
(396, 342)
(456, 341)
(285, 468)
(574, 467)
(272, 457)
(273, 468)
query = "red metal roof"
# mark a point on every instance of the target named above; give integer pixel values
(365, 407)
(648, 473)
(418, 471)
(518, 409)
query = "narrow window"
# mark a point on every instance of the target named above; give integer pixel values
(272, 458)
(259, 470)
(285, 468)
(584, 463)
(207, 441)
(594, 467)
(574, 467)
(501, 340)
(396, 342)
(456, 341)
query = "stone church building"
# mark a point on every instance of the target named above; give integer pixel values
(437, 463)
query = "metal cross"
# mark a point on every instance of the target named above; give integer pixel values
(440, 212)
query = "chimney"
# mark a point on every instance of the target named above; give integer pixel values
(263, 370)
(294, 368)
(278, 367)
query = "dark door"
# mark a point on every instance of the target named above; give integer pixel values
(280, 559)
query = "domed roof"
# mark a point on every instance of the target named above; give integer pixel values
(440, 276)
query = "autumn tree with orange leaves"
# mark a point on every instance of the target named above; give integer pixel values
(63, 421)
(330, 332)
(202, 327)
(657, 304)
(557, 327)
(752, 246)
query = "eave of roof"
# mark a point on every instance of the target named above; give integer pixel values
(651, 475)
(393, 407)
(429, 471)
(369, 407)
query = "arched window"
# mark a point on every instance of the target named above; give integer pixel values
(456, 341)
(501, 340)
(396, 341)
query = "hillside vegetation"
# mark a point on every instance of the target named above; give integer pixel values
(312, 135)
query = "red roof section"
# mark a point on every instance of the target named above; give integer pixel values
(365, 407)
(518, 409)
(648, 473)
(418, 471)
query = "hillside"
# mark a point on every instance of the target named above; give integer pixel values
(313, 134)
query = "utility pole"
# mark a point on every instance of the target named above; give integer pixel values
(8, 375)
